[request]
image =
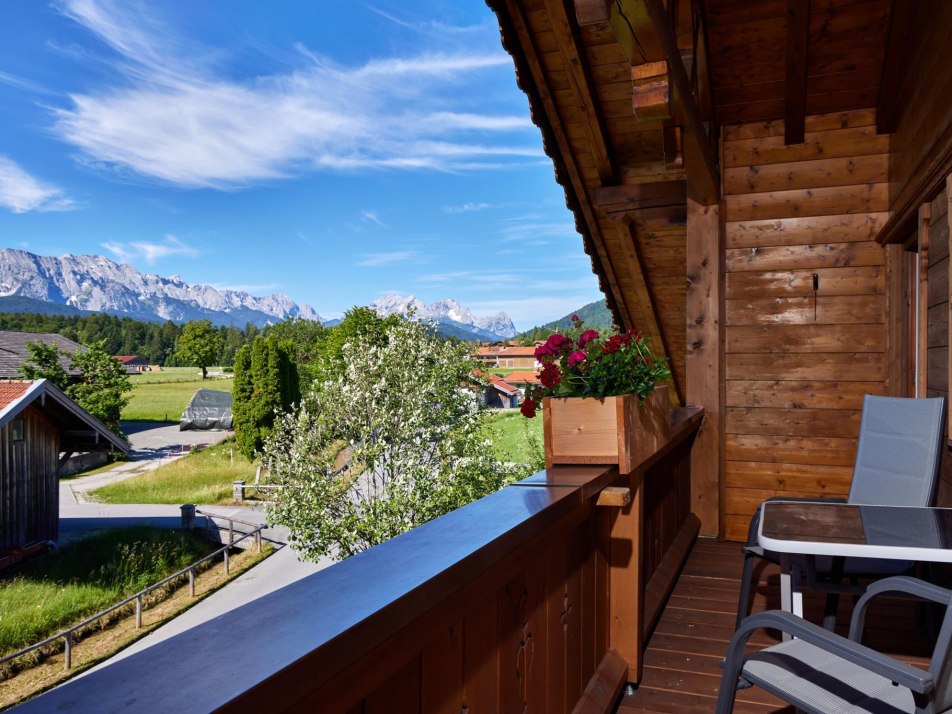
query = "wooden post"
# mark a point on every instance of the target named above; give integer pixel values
(68, 651)
(139, 612)
(626, 589)
(191, 582)
(925, 218)
(897, 313)
(227, 566)
(703, 359)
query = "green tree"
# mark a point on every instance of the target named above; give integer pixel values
(199, 344)
(390, 442)
(100, 388)
(266, 384)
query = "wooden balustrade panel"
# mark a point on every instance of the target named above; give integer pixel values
(796, 370)
(530, 646)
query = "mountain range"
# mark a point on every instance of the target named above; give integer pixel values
(75, 284)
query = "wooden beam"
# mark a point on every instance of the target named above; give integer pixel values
(703, 363)
(795, 88)
(591, 12)
(623, 202)
(635, 33)
(898, 46)
(922, 327)
(580, 81)
(699, 155)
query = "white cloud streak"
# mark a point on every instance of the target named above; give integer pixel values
(21, 193)
(373, 260)
(150, 252)
(372, 217)
(178, 121)
(468, 207)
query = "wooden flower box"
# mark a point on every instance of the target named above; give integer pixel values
(613, 430)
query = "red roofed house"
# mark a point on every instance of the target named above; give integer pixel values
(133, 363)
(523, 377)
(507, 357)
(40, 427)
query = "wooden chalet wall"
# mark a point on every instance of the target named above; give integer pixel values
(29, 502)
(937, 371)
(794, 381)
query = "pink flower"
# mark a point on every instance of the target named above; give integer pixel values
(528, 408)
(543, 351)
(587, 337)
(577, 357)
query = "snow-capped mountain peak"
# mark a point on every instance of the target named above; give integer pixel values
(93, 282)
(496, 327)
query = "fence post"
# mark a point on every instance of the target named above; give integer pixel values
(258, 540)
(191, 581)
(238, 490)
(68, 650)
(138, 612)
(231, 532)
(188, 516)
(227, 568)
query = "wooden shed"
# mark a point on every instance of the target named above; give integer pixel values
(39, 426)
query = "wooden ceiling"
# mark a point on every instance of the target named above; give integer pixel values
(759, 47)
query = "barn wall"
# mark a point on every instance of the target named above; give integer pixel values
(29, 498)
(795, 374)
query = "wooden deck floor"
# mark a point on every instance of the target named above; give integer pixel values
(681, 672)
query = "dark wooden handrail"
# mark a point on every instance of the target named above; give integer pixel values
(389, 616)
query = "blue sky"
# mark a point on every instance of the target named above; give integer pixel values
(330, 151)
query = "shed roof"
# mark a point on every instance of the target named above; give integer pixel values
(14, 351)
(80, 430)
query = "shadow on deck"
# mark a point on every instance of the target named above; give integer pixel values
(681, 672)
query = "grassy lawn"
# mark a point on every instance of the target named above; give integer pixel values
(201, 477)
(163, 396)
(513, 437)
(37, 672)
(84, 577)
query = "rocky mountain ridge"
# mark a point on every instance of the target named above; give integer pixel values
(448, 312)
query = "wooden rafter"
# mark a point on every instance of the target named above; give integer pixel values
(564, 148)
(699, 154)
(625, 202)
(795, 87)
(580, 80)
(898, 46)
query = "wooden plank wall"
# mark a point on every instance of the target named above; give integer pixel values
(795, 382)
(937, 372)
(922, 140)
(29, 498)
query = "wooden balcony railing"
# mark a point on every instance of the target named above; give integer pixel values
(532, 599)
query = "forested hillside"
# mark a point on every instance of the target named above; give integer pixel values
(153, 341)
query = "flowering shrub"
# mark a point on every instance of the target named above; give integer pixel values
(594, 366)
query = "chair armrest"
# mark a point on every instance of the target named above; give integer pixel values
(915, 679)
(898, 584)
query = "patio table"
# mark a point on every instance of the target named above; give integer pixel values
(796, 530)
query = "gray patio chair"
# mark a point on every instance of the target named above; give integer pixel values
(823, 673)
(897, 464)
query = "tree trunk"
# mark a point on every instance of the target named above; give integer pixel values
(204, 372)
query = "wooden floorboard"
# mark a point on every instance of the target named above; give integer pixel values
(681, 665)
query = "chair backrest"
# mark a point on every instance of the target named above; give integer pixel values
(899, 451)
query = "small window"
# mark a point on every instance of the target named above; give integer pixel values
(16, 430)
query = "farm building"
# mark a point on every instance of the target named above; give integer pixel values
(40, 427)
(133, 363)
(764, 190)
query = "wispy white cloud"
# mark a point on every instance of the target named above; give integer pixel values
(468, 207)
(21, 83)
(21, 193)
(372, 217)
(373, 260)
(175, 118)
(150, 252)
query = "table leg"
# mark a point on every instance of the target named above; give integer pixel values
(791, 600)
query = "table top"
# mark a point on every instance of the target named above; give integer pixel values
(894, 532)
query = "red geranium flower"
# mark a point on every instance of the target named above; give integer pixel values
(549, 376)
(576, 358)
(587, 337)
(528, 408)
